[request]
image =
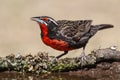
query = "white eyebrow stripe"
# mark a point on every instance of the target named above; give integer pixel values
(53, 21)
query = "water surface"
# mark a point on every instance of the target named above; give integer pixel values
(56, 76)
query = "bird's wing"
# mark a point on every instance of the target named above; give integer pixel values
(73, 30)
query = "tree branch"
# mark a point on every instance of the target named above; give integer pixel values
(41, 63)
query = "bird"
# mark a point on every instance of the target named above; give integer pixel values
(66, 35)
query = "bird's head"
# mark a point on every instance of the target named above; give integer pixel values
(44, 20)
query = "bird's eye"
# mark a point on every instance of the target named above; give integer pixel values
(45, 19)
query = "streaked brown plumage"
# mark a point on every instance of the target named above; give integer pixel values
(66, 35)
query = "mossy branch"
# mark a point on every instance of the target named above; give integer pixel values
(41, 63)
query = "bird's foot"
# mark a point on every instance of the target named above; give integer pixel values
(54, 60)
(86, 60)
(83, 60)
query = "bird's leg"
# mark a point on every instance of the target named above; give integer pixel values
(57, 57)
(83, 59)
(83, 53)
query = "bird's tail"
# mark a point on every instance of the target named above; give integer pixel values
(104, 26)
(95, 28)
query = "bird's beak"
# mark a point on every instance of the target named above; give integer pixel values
(37, 19)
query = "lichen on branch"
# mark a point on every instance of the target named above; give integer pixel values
(41, 62)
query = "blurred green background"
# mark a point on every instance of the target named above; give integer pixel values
(19, 34)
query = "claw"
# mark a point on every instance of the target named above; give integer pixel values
(83, 59)
(54, 60)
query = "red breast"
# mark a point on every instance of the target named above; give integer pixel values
(54, 43)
